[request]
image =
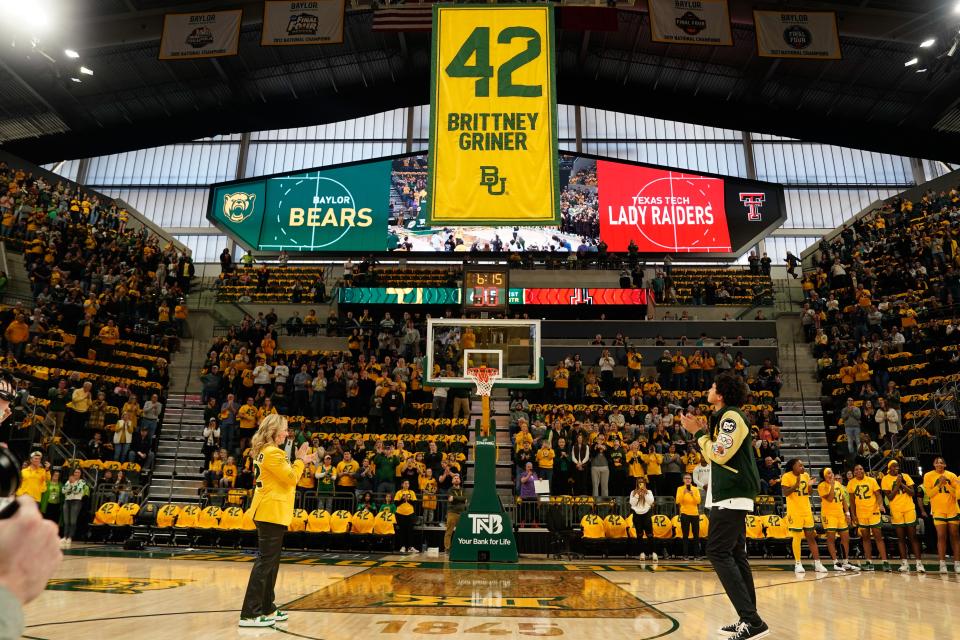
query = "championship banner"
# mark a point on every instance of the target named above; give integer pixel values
(200, 35)
(493, 129)
(339, 209)
(810, 34)
(690, 22)
(291, 23)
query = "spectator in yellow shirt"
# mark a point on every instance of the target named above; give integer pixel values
(109, 334)
(34, 478)
(545, 460)
(180, 313)
(17, 335)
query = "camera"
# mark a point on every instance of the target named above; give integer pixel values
(9, 483)
(9, 465)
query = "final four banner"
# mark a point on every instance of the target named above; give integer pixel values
(793, 34)
(493, 130)
(200, 35)
(690, 22)
(291, 23)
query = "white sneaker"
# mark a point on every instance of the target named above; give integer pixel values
(837, 566)
(643, 557)
(943, 567)
(656, 559)
(403, 549)
(850, 567)
(956, 566)
(798, 569)
(69, 542)
(63, 543)
(259, 621)
(920, 567)
(819, 568)
(904, 567)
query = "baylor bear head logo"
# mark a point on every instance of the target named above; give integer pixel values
(238, 206)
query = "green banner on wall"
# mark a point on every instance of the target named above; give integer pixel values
(340, 209)
(398, 295)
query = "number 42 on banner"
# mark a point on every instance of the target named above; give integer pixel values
(477, 46)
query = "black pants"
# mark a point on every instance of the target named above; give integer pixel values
(405, 531)
(643, 524)
(727, 551)
(690, 524)
(258, 600)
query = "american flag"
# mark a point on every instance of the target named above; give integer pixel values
(404, 17)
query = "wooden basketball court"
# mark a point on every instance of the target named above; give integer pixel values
(104, 592)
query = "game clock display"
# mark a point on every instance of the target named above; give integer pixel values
(485, 289)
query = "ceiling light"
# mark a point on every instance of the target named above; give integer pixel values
(70, 53)
(924, 70)
(86, 71)
(911, 62)
(33, 18)
(76, 79)
(956, 9)
(927, 43)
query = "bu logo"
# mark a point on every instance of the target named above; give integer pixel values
(753, 202)
(486, 523)
(490, 178)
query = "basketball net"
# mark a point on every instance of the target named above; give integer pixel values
(484, 378)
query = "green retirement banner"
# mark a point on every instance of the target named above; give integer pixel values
(339, 209)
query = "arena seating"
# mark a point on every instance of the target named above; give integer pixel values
(296, 283)
(712, 286)
(888, 282)
(86, 323)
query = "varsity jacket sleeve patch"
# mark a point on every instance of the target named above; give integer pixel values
(730, 433)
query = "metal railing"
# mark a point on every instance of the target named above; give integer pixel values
(191, 372)
(921, 435)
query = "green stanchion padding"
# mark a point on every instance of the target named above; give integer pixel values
(484, 532)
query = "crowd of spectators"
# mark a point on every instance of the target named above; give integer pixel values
(91, 350)
(594, 429)
(880, 316)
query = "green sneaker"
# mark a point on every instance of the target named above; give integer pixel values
(279, 616)
(868, 566)
(887, 568)
(259, 621)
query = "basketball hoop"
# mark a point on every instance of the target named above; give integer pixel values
(483, 378)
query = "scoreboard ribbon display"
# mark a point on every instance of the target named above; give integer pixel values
(493, 129)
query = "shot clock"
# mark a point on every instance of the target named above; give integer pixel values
(485, 289)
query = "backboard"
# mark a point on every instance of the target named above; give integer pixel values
(511, 346)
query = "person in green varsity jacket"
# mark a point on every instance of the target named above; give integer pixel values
(734, 483)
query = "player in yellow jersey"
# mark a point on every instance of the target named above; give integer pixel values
(867, 502)
(942, 487)
(795, 484)
(835, 517)
(900, 492)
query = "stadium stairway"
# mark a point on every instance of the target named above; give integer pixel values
(177, 474)
(804, 436)
(18, 285)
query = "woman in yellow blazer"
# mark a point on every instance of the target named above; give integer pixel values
(275, 481)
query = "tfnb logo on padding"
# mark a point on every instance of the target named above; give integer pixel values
(490, 178)
(485, 523)
(753, 202)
